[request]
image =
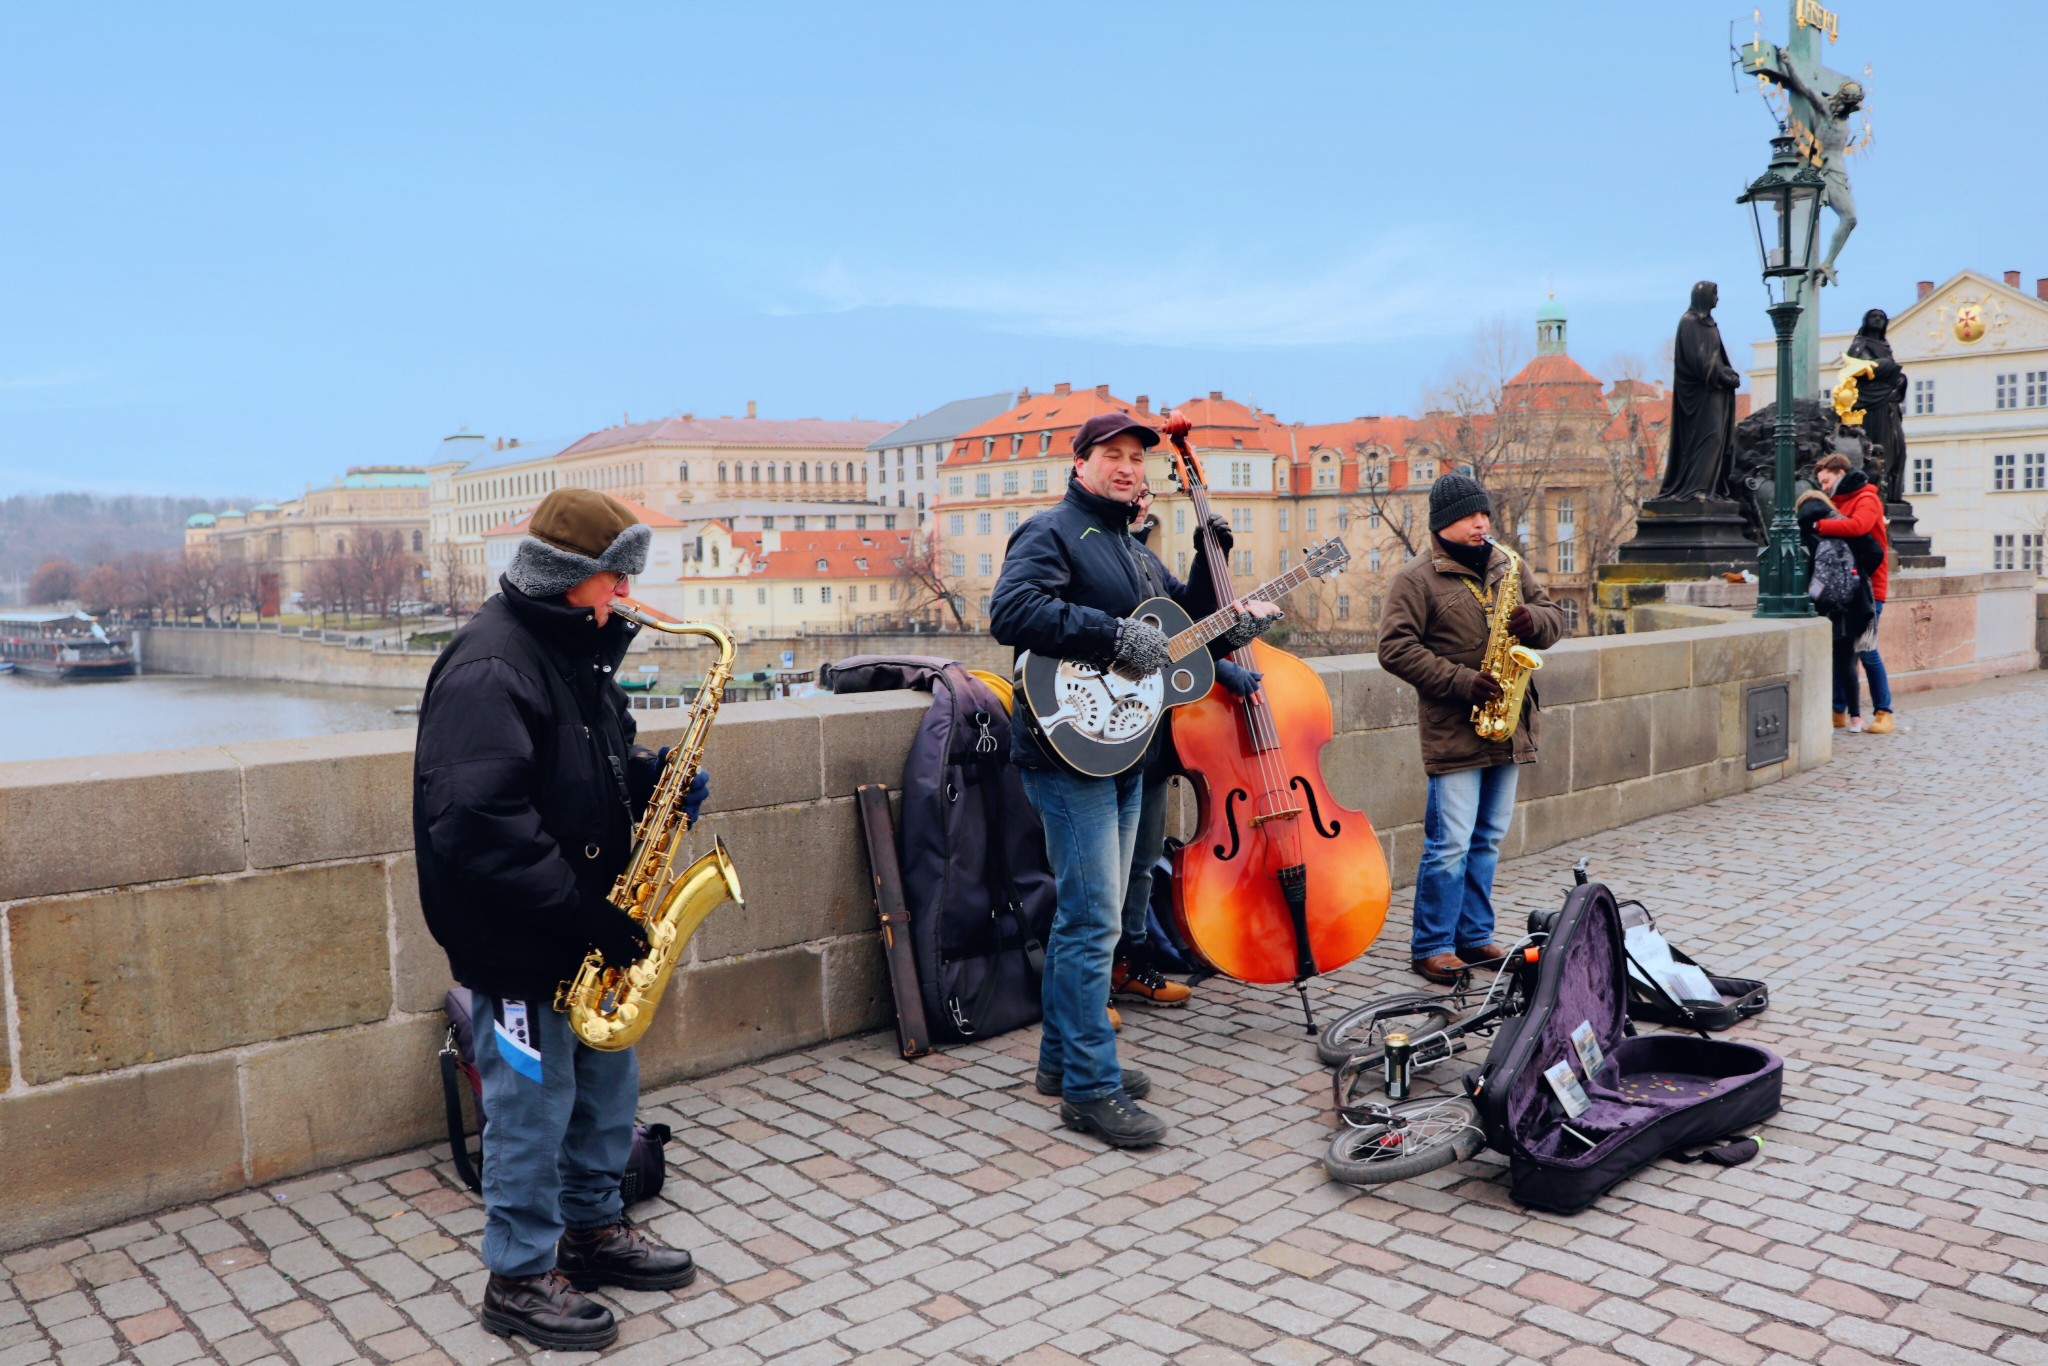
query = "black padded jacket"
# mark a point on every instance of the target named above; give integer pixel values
(526, 785)
(1069, 574)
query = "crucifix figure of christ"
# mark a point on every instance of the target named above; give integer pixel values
(1821, 102)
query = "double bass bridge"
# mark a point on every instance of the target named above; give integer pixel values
(1284, 815)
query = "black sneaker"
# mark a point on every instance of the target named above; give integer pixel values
(1136, 1084)
(1115, 1119)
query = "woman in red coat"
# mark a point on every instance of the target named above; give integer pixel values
(1862, 514)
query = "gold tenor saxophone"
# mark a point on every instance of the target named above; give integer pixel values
(610, 1005)
(1507, 661)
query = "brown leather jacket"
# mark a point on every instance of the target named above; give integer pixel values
(1433, 636)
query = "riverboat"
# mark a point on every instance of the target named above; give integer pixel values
(72, 646)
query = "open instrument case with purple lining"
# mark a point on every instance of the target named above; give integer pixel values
(1652, 1094)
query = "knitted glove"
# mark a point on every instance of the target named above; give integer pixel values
(1248, 629)
(616, 935)
(1220, 529)
(1141, 649)
(694, 795)
(1244, 682)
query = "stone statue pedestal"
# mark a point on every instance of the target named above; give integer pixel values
(1914, 550)
(1685, 538)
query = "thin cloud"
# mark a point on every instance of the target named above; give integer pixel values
(1403, 285)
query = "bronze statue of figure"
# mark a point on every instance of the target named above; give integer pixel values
(1881, 397)
(1703, 386)
(1832, 114)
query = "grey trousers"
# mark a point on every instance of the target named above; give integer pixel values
(558, 1125)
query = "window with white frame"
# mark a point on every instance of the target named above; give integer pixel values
(2007, 393)
(955, 486)
(2030, 551)
(1326, 472)
(984, 564)
(959, 565)
(2034, 470)
(760, 597)
(956, 524)
(2004, 465)
(981, 485)
(1180, 520)
(2002, 547)
(796, 595)
(1571, 613)
(825, 594)
(1240, 474)
(1308, 519)
(1372, 518)
(1010, 520)
(1923, 397)
(2037, 388)
(1044, 442)
(988, 445)
(985, 601)
(1923, 474)
(1343, 606)
(1016, 442)
(1038, 480)
(1567, 520)
(1567, 557)
(1344, 517)
(1009, 482)
(821, 564)
(1372, 560)
(982, 524)
(1240, 519)
(1283, 519)
(1241, 562)
(1180, 564)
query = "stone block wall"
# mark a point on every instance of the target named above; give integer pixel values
(216, 973)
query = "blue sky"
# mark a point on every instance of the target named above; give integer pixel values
(246, 246)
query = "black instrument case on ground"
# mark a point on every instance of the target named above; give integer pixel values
(1653, 1093)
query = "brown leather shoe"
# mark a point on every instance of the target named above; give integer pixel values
(1442, 968)
(621, 1255)
(547, 1311)
(1485, 953)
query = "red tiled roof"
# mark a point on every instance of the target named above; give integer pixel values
(735, 431)
(1555, 382)
(1220, 424)
(842, 552)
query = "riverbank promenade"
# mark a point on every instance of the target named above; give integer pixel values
(848, 1206)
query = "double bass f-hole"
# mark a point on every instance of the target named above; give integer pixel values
(1314, 812)
(1230, 820)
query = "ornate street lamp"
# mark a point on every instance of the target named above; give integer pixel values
(1785, 202)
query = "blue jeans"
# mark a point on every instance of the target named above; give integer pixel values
(1462, 827)
(1149, 844)
(1091, 825)
(1848, 697)
(558, 1125)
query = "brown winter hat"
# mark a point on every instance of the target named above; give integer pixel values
(573, 534)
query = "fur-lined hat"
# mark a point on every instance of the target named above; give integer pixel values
(574, 534)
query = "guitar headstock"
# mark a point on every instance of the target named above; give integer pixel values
(1187, 470)
(1325, 559)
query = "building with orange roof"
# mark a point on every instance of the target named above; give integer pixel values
(777, 583)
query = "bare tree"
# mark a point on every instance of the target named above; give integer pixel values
(457, 582)
(927, 578)
(381, 569)
(102, 591)
(54, 581)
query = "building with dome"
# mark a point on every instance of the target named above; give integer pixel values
(287, 540)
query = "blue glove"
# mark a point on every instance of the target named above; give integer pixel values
(693, 797)
(1239, 680)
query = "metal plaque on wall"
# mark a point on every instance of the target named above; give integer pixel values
(1769, 712)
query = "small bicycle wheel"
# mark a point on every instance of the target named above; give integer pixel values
(1363, 1032)
(1420, 1136)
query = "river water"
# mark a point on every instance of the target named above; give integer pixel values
(44, 720)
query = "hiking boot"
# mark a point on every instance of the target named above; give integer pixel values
(1147, 984)
(548, 1312)
(1136, 1084)
(1881, 724)
(621, 1255)
(1485, 953)
(1442, 968)
(1841, 720)
(1115, 1119)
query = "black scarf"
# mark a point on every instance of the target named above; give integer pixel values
(1473, 557)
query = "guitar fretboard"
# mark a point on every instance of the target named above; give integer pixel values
(1214, 625)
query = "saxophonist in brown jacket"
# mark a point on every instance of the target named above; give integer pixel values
(1433, 637)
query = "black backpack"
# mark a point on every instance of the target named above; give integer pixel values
(645, 1165)
(975, 876)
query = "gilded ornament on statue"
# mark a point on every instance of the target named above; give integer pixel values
(1848, 395)
(1970, 323)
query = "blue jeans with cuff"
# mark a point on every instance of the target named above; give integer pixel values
(558, 1125)
(1462, 827)
(1091, 826)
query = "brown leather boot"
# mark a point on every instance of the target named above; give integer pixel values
(1442, 968)
(621, 1255)
(1490, 954)
(547, 1311)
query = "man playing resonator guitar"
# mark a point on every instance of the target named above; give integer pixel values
(1071, 578)
(526, 784)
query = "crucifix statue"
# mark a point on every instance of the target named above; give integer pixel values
(1819, 103)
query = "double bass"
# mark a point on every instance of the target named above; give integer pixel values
(1281, 882)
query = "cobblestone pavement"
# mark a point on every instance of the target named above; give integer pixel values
(846, 1205)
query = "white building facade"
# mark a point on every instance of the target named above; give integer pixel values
(1975, 352)
(903, 466)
